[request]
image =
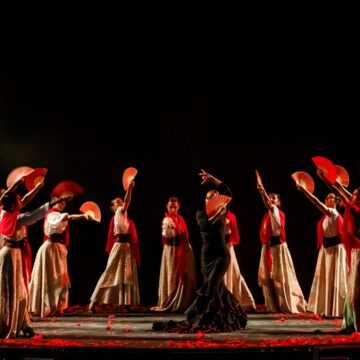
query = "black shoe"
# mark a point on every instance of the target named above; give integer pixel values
(29, 332)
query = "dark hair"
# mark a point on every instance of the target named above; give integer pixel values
(8, 200)
(278, 196)
(174, 199)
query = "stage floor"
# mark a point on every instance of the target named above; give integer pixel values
(110, 333)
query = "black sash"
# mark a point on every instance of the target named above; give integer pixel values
(14, 244)
(57, 238)
(331, 241)
(174, 241)
(274, 240)
(123, 238)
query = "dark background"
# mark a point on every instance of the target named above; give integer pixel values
(90, 100)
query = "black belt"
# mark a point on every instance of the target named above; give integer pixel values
(14, 244)
(331, 241)
(123, 238)
(174, 241)
(274, 240)
(57, 238)
(227, 238)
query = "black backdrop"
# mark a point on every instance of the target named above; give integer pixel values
(90, 102)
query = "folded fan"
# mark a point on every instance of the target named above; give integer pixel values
(258, 178)
(92, 209)
(215, 203)
(304, 180)
(128, 175)
(326, 166)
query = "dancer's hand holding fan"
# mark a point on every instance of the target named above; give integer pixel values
(34, 178)
(304, 180)
(216, 206)
(92, 209)
(326, 169)
(259, 183)
(128, 176)
(342, 179)
(342, 176)
(258, 178)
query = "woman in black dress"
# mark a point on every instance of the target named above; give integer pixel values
(214, 309)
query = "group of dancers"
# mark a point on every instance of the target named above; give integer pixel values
(221, 302)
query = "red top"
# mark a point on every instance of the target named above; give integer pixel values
(8, 223)
(182, 233)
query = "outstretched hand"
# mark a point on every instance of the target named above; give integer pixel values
(205, 177)
(131, 184)
(88, 217)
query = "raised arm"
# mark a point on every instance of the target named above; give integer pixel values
(206, 177)
(337, 188)
(264, 196)
(346, 191)
(128, 195)
(75, 217)
(31, 194)
(321, 206)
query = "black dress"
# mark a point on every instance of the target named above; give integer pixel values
(214, 309)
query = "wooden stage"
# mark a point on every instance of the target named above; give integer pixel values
(109, 334)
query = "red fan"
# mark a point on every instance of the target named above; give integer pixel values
(342, 175)
(35, 177)
(304, 180)
(128, 176)
(92, 209)
(215, 202)
(258, 178)
(326, 166)
(17, 173)
(67, 188)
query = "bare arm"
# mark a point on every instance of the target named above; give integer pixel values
(348, 193)
(264, 196)
(75, 217)
(321, 206)
(337, 188)
(31, 194)
(206, 177)
(57, 200)
(128, 195)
